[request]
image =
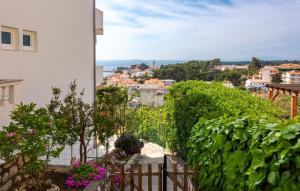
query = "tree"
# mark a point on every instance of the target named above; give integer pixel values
(276, 78)
(78, 115)
(143, 66)
(255, 63)
(110, 113)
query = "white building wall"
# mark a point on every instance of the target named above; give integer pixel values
(65, 40)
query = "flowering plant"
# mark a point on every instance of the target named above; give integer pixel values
(84, 173)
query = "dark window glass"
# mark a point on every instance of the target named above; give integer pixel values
(6, 37)
(26, 40)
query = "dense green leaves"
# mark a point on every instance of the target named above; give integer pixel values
(246, 153)
(188, 101)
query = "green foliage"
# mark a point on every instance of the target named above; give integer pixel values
(148, 123)
(276, 78)
(111, 105)
(78, 115)
(192, 70)
(129, 143)
(191, 100)
(255, 63)
(246, 153)
(33, 133)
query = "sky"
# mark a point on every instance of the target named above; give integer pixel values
(199, 29)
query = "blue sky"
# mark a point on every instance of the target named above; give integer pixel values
(199, 29)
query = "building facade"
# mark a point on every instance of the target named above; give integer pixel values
(291, 77)
(49, 43)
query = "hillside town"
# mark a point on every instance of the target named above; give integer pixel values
(146, 89)
(142, 88)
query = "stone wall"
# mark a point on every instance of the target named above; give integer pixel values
(12, 173)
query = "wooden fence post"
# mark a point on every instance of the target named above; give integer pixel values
(196, 178)
(112, 178)
(159, 177)
(122, 178)
(131, 177)
(185, 178)
(140, 177)
(149, 177)
(175, 177)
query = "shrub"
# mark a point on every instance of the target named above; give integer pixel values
(246, 153)
(84, 173)
(188, 101)
(129, 143)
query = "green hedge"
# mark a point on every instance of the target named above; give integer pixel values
(246, 154)
(188, 101)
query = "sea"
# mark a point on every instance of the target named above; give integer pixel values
(110, 65)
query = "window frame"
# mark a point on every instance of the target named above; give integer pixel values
(33, 40)
(14, 38)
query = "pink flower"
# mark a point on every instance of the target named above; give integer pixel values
(85, 183)
(70, 183)
(11, 134)
(31, 132)
(75, 163)
(118, 180)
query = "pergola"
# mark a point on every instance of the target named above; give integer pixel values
(290, 89)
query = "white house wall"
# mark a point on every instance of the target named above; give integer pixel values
(65, 41)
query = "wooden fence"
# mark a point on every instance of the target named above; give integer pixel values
(127, 178)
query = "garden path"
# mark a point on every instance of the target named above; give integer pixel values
(153, 154)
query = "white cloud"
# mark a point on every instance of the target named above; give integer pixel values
(154, 29)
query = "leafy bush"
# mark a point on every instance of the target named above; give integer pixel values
(36, 134)
(148, 123)
(246, 154)
(129, 143)
(188, 101)
(84, 173)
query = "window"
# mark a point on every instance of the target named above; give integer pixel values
(9, 38)
(6, 37)
(26, 40)
(29, 40)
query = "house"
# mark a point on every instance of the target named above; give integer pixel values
(231, 67)
(291, 77)
(288, 67)
(168, 82)
(255, 84)
(49, 43)
(152, 95)
(267, 72)
(10, 96)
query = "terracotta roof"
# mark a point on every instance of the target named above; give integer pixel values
(289, 66)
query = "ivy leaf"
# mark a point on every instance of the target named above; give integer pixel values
(258, 159)
(272, 178)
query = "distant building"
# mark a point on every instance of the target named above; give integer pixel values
(99, 75)
(288, 66)
(255, 84)
(291, 77)
(231, 67)
(152, 95)
(168, 82)
(267, 72)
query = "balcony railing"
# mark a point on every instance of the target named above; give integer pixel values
(99, 22)
(10, 96)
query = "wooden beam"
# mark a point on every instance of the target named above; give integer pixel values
(293, 106)
(275, 95)
(270, 94)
